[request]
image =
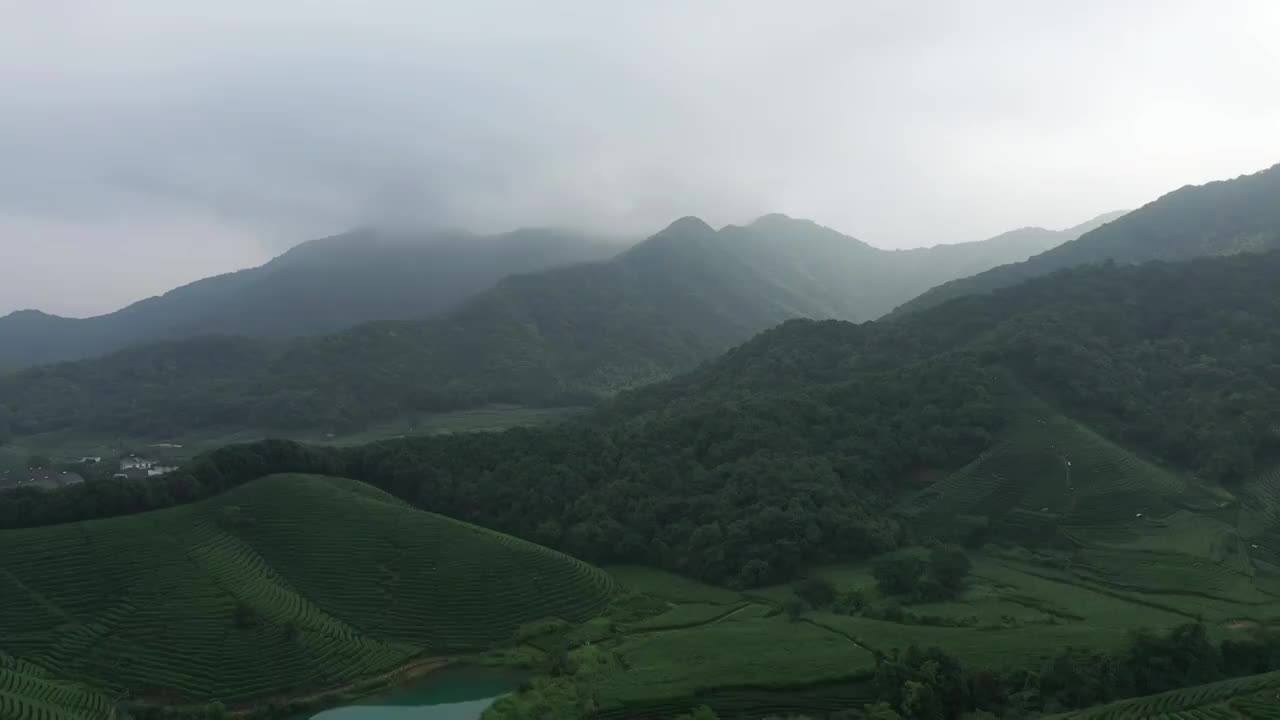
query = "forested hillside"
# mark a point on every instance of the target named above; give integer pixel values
(319, 286)
(789, 449)
(1220, 218)
(568, 335)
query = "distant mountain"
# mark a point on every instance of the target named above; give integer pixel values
(319, 286)
(1220, 218)
(566, 335)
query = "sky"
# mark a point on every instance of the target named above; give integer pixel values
(148, 143)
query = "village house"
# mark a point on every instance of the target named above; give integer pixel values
(133, 467)
(44, 479)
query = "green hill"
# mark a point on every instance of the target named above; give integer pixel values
(568, 335)
(285, 584)
(319, 286)
(28, 692)
(1249, 698)
(790, 448)
(1220, 218)
(1045, 473)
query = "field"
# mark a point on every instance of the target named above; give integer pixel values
(29, 693)
(324, 581)
(1048, 473)
(742, 656)
(1250, 698)
(1081, 541)
(72, 445)
(286, 584)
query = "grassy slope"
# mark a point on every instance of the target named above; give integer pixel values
(28, 692)
(339, 580)
(1099, 573)
(1118, 521)
(719, 647)
(753, 662)
(1249, 698)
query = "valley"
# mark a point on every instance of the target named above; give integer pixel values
(570, 335)
(715, 498)
(66, 447)
(640, 361)
(339, 589)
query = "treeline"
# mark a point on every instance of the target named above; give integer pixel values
(566, 336)
(931, 684)
(742, 500)
(789, 449)
(738, 495)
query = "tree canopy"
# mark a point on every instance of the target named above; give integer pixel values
(789, 449)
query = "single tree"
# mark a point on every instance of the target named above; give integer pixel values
(818, 592)
(949, 566)
(898, 573)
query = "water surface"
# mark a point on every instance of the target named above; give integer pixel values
(460, 693)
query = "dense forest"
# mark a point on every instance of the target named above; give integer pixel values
(1220, 218)
(567, 335)
(787, 450)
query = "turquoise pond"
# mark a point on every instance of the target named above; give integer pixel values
(448, 694)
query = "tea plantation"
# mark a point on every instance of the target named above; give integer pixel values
(1075, 542)
(288, 583)
(1250, 698)
(29, 693)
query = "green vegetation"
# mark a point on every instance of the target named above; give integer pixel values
(319, 286)
(1056, 495)
(28, 692)
(823, 664)
(789, 450)
(940, 576)
(1255, 697)
(675, 588)
(764, 652)
(68, 446)
(1220, 218)
(565, 336)
(285, 584)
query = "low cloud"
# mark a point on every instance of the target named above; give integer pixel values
(149, 143)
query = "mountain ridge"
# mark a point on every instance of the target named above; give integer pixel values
(565, 335)
(321, 285)
(1218, 218)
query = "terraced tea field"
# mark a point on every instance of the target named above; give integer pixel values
(1049, 471)
(288, 583)
(1106, 519)
(29, 693)
(1250, 698)
(744, 652)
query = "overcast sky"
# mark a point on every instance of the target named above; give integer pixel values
(147, 143)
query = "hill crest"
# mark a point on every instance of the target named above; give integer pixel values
(1223, 217)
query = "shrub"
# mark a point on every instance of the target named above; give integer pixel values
(949, 566)
(818, 592)
(898, 573)
(794, 607)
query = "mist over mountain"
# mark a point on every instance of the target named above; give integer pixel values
(570, 334)
(319, 286)
(1219, 218)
